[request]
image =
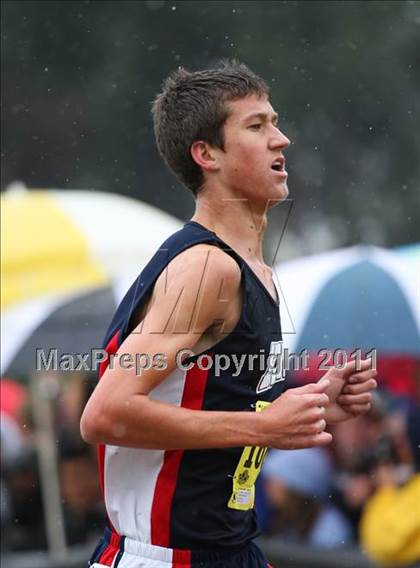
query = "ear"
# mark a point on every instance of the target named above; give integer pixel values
(204, 155)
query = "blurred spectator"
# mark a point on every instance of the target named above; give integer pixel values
(353, 437)
(12, 397)
(75, 391)
(298, 484)
(84, 515)
(12, 441)
(12, 444)
(390, 525)
(362, 444)
(24, 524)
(356, 483)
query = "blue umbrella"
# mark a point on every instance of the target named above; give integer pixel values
(361, 307)
(362, 298)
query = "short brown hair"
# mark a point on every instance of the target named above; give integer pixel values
(192, 107)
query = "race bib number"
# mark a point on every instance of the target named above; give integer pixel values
(246, 473)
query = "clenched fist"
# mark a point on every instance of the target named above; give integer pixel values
(297, 418)
(350, 390)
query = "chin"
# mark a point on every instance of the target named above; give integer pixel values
(285, 193)
(282, 193)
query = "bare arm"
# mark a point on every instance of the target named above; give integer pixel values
(204, 289)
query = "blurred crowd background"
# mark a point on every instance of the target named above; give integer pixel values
(80, 171)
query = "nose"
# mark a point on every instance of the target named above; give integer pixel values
(278, 140)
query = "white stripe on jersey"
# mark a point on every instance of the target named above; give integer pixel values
(130, 474)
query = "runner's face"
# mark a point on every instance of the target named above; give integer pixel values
(253, 164)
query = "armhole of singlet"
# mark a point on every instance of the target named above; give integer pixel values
(242, 267)
(128, 326)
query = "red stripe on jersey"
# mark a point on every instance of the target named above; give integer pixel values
(101, 467)
(192, 397)
(181, 559)
(111, 551)
(195, 385)
(111, 349)
(162, 498)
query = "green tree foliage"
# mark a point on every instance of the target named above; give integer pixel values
(79, 77)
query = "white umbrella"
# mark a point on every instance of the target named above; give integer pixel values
(57, 244)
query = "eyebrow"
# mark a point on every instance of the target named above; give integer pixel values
(262, 116)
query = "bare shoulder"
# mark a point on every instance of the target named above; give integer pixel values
(200, 285)
(204, 265)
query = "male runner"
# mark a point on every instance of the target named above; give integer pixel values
(181, 442)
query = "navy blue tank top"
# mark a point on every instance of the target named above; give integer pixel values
(197, 499)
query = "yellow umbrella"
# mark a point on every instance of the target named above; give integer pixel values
(56, 242)
(59, 244)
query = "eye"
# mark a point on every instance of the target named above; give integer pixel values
(255, 126)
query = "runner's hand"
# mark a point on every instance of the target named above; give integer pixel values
(350, 390)
(297, 418)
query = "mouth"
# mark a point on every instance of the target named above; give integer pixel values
(279, 166)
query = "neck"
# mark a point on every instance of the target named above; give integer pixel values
(238, 222)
